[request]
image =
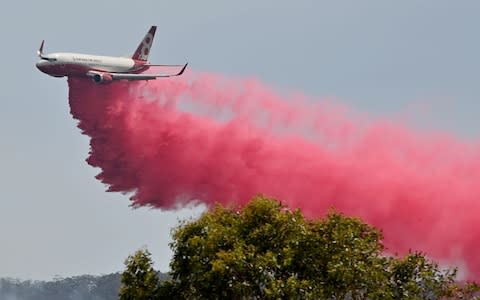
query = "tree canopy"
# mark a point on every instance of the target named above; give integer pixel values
(266, 251)
(139, 281)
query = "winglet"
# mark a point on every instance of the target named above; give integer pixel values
(40, 50)
(182, 70)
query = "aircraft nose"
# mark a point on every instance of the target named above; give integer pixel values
(41, 65)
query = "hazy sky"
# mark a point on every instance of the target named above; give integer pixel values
(381, 57)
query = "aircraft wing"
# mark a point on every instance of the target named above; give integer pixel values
(144, 76)
(157, 65)
(126, 76)
(99, 77)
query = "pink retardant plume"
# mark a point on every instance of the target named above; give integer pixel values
(208, 139)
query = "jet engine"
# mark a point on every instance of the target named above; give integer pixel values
(102, 78)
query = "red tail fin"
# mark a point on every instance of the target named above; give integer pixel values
(144, 48)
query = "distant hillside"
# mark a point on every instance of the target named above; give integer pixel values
(84, 287)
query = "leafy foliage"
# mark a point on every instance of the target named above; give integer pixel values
(266, 251)
(139, 280)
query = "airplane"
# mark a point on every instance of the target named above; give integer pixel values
(103, 69)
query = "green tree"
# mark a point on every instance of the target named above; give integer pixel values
(266, 251)
(139, 281)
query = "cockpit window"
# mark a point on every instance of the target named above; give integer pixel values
(49, 58)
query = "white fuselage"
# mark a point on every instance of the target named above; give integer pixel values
(103, 63)
(77, 64)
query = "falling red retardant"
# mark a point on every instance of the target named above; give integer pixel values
(208, 139)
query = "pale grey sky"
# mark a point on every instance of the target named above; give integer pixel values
(378, 56)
